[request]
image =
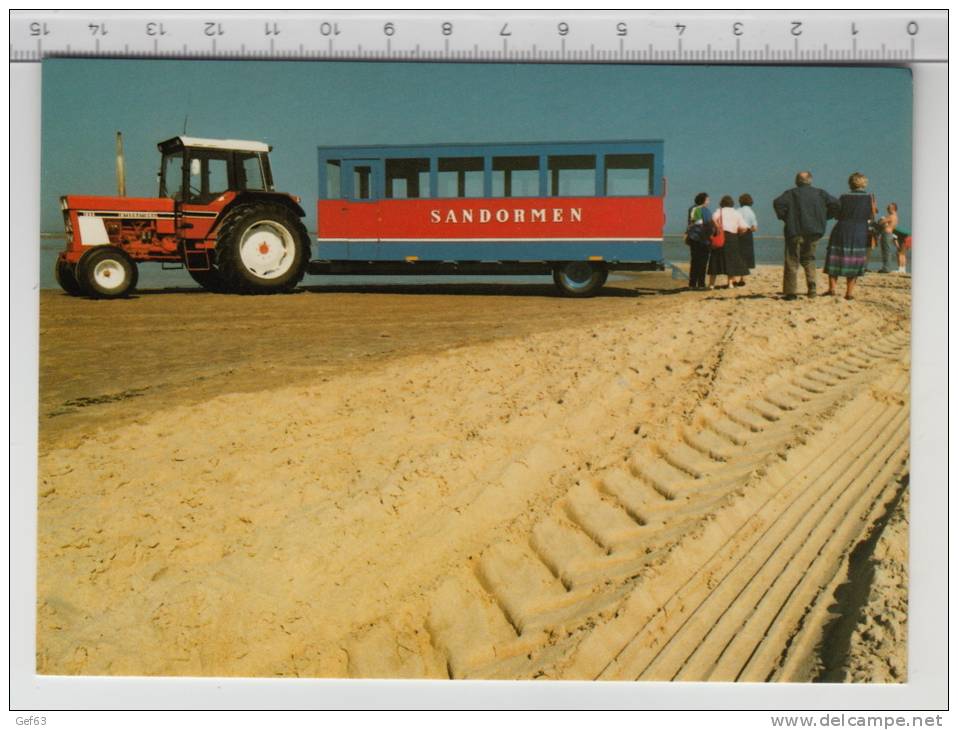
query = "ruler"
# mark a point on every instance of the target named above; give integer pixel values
(802, 37)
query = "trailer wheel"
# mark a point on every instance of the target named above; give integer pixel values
(262, 249)
(66, 277)
(579, 278)
(106, 272)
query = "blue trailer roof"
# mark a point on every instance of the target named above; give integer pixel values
(493, 148)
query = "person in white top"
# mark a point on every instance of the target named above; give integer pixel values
(726, 259)
(746, 243)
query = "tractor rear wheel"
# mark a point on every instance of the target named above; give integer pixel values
(211, 280)
(579, 278)
(106, 272)
(262, 248)
(66, 277)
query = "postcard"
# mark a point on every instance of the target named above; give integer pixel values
(474, 371)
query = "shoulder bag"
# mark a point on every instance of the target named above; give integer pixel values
(695, 232)
(717, 239)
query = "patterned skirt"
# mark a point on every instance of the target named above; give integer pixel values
(847, 249)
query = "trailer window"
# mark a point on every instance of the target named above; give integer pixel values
(460, 177)
(362, 182)
(515, 177)
(628, 174)
(407, 178)
(334, 179)
(572, 175)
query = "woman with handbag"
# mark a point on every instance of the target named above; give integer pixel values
(849, 240)
(697, 233)
(725, 257)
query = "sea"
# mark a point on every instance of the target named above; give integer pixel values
(768, 250)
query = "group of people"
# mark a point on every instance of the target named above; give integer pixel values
(805, 211)
(735, 256)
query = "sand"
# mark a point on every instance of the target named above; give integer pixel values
(879, 651)
(474, 481)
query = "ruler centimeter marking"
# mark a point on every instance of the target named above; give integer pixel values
(648, 37)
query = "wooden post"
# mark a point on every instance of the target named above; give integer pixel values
(120, 169)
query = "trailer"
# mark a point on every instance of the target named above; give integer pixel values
(576, 211)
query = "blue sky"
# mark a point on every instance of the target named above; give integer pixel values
(726, 129)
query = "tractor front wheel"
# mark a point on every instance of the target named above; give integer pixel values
(66, 276)
(106, 273)
(262, 248)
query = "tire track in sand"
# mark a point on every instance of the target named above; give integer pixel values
(699, 558)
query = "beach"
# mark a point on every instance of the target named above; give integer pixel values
(476, 481)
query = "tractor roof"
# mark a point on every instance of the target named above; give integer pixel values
(219, 144)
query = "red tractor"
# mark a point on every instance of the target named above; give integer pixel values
(217, 215)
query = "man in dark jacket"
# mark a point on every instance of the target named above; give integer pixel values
(805, 211)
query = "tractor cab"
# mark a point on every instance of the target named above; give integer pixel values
(197, 171)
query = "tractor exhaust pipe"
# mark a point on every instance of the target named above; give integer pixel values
(120, 168)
